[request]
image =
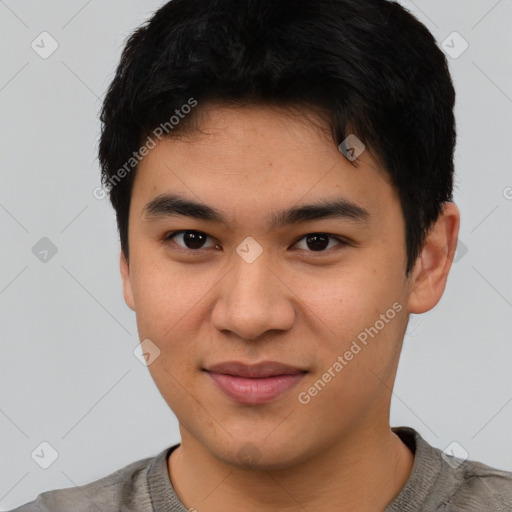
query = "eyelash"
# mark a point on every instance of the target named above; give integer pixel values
(169, 236)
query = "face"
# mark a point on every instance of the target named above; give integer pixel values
(322, 290)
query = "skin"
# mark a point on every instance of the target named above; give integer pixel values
(292, 304)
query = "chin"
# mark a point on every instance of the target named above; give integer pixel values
(259, 456)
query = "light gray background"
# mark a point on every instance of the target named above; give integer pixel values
(68, 373)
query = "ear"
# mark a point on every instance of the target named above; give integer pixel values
(431, 270)
(127, 283)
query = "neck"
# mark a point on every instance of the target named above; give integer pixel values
(362, 472)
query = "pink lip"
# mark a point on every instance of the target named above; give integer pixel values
(254, 384)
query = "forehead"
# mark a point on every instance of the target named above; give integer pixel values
(250, 159)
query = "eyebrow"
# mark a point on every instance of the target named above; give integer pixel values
(172, 205)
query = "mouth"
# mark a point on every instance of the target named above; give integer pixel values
(254, 384)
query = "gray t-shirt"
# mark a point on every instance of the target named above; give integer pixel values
(435, 484)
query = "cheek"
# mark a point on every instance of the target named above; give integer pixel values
(172, 309)
(344, 302)
(360, 317)
(166, 294)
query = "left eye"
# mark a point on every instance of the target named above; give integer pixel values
(195, 240)
(318, 242)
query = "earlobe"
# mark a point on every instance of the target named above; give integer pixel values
(127, 284)
(430, 273)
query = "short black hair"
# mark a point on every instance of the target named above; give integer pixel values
(368, 65)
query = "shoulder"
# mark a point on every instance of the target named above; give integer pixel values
(443, 483)
(124, 489)
(477, 486)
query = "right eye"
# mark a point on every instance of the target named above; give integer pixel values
(191, 241)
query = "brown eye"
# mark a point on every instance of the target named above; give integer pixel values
(319, 242)
(187, 239)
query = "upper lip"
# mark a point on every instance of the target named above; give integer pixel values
(259, 370)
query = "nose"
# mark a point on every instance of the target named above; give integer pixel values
(253, 299)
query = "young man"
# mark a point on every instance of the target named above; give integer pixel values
(282, 178)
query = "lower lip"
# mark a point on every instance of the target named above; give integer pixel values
(255, 391)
